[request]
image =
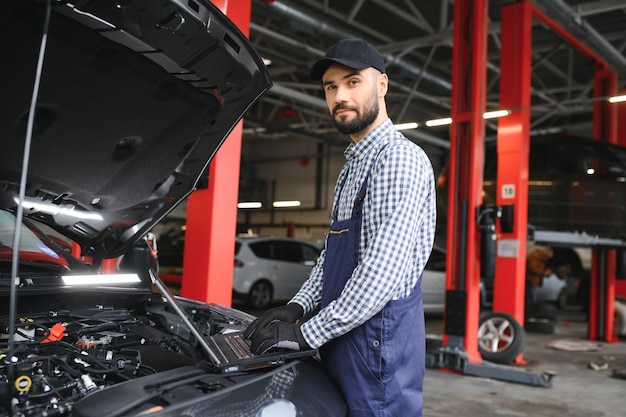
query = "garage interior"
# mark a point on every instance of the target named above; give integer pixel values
(551, 64)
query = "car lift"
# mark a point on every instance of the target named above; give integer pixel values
(466, 247)
(453, 356)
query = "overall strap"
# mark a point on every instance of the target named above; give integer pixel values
(363, 190)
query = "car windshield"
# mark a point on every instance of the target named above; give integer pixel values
(37, 249)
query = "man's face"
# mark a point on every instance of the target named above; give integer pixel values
(352, 97)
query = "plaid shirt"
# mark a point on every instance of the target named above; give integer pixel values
(399, 214)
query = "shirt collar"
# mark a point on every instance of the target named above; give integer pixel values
(370, 142)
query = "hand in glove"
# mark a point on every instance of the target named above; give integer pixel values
(289, 312)
(278, 335)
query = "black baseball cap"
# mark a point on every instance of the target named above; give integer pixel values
(353, 53)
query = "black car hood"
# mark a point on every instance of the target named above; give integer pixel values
(135, 98)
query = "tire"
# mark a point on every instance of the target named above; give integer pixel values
(538, 325)
(541, 310)
(561, 300)
(500, 337)
(260, 295)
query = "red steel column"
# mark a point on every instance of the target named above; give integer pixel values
(602, 286)
(621, 120)
(469, 65)
(620, 285)
(513, 150)
(604, 113)
(212, 212)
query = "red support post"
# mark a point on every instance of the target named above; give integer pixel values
(603, 283)
(469, 69)
(513, 149)
(604, 113)
(620, 285)
(602, 295)
(212, 212)
(621, 120)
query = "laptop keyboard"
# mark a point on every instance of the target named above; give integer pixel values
(239, 345)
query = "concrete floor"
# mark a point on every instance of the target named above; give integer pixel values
(577, 390)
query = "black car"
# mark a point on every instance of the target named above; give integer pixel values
(111, 112)
(575, 184)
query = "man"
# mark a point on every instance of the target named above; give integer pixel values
(370, 326)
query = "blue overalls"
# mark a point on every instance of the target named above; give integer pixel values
(380, 364)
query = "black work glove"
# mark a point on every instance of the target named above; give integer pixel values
(278, 335)
(289, 312)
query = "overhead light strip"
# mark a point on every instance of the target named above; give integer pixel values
(439, 122)
(289, 203)
(405, 126)
(250, 205)
(617, 99)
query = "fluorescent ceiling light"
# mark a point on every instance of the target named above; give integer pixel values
(95, 280)
(293, 203)
(617, 99)
(250, 205)
(439, 122)
(404, 126)
(496, 113)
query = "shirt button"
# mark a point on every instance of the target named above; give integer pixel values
(375, 343)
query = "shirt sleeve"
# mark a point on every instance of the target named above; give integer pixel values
(400, 195)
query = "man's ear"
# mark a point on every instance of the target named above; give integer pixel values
(383, 84)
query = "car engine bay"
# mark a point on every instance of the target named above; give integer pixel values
(61, 356)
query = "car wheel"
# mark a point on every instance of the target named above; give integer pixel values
(500, 337)
(260, 294)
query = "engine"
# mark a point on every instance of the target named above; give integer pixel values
(60, 357)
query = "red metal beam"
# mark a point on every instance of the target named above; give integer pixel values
(604, 113)
(469, 65)
(603, 282)
(513, 148)
(212, 212)
(620, 285)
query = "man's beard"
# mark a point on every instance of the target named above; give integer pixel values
(360, 122)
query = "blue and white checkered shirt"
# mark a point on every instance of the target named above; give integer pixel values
(399, 215)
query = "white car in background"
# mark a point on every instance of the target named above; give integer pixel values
(553, 289)
(434, 283)
(269, 269)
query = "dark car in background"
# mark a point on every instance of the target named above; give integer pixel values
(575, 184)
(99, 143)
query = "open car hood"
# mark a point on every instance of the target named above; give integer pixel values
(135, 98)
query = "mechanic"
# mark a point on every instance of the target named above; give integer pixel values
(370, 326)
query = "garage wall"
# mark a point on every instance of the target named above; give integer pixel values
(289, 170)
(285, 169)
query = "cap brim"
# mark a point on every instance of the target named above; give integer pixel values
(319, 68)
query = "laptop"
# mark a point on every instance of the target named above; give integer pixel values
(232, 351)
(229, 352)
